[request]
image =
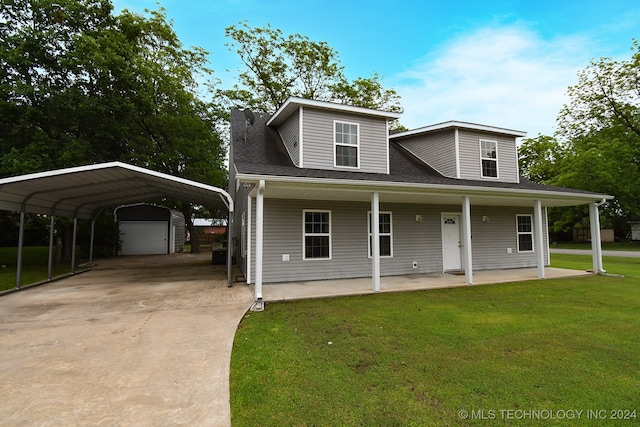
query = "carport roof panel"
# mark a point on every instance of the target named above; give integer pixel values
(81, 191)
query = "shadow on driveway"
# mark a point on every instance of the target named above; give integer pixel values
(142, 340)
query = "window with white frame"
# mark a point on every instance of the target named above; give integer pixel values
(347, 144)
(524, 229)
(489, 158)
(316, 234)
(385, 233)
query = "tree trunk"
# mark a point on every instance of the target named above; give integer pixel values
(195, 244)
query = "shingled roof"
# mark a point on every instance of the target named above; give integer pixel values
(258, 150)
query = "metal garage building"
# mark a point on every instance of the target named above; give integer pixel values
(82, 192)
(150, 229)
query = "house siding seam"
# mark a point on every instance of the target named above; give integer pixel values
(289, 132)
(412, 240)
(436, 150)
(470, 164)
(318, 137)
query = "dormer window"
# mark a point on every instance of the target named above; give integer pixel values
(489, 158)
(347, 144)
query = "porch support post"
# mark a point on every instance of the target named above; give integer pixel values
(73, 247)
(466, 240)
(259, 238)
(375, 241)
(230, 245)
(50, 261)
(20, 244)
(539, 242)
(596, 246)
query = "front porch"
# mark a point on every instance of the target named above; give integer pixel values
(411, 282)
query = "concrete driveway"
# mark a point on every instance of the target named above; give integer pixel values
(137, 341)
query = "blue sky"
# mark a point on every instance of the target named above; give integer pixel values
(500, 63)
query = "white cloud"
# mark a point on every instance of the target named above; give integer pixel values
(507, 77)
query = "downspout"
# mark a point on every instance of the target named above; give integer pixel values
(596, 240)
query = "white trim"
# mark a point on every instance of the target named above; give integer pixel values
(537, 213)
(546, 221)
(292, 102)
(458, 124)
(442, 215)
(387, 148)
(301, 138)
(375, 227)
(456, 141)
(596, 244)
(518, 233)
(413, 186)
(304, 234)
(342, 144)
(259, 238)
(370, 236)
(249, 219)
(467, 250)
(482, 158)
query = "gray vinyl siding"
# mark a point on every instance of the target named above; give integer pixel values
(491, 239)
(240, 206)
(470, 165)
(318, 141)
(412, 240)
(289, 131)
(436, 149)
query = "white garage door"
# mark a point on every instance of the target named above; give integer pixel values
(144, 237)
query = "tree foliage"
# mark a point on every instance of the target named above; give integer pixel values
(279, 66)
(597, 147)
(80, 85)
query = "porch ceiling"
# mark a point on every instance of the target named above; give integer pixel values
(422, 194)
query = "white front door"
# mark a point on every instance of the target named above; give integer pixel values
(451, 252)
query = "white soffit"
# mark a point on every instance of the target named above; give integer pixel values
(81, 192)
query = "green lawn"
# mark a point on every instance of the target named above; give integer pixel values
(608, 246)
(34, 266)
(420, 358)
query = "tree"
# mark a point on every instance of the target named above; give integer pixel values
(79, 85)
(597, 146)
(279, 66)
(540, 158)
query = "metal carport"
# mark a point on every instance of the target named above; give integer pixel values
(82, 192)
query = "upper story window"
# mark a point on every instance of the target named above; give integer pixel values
(489, 158)
(347, 144)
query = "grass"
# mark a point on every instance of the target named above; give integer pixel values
(420, 358)
(607, 246)
(34, 266)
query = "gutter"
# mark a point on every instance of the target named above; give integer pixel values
(442, 188)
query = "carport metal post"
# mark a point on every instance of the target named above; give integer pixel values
(93, 228)
(20, 244)
(50, 262)
(73, 246)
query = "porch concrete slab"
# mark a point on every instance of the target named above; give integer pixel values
(138, 341)
(411, 282)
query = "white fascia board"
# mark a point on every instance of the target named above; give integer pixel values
(439, 188)
(292, 103)
(461, 125)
